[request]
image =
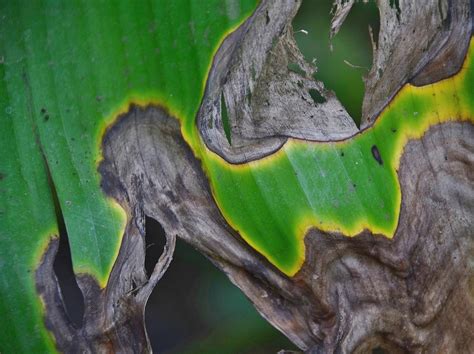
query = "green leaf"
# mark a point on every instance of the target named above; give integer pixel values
(67, 70)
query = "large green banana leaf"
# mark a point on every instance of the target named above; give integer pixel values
(67, 68)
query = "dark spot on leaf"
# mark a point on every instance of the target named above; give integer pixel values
(342, 153)
(2, 176)
(376, 154)
(46, 117)
(316, 96)
(394, 130)
(43, 110)
(354, 185)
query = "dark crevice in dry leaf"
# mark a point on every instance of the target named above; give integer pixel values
(71, 294)
(155, 242)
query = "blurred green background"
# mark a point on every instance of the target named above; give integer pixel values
(343, 68)
(195, 308)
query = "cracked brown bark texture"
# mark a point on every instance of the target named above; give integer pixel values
(414, 293)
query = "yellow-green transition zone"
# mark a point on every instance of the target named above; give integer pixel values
(345, 186)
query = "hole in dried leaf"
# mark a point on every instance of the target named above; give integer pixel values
(316, 96)
(294, 67)
(72, 295)
(155, 240)
(351, 45)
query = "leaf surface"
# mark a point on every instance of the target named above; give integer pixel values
(67, 70)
